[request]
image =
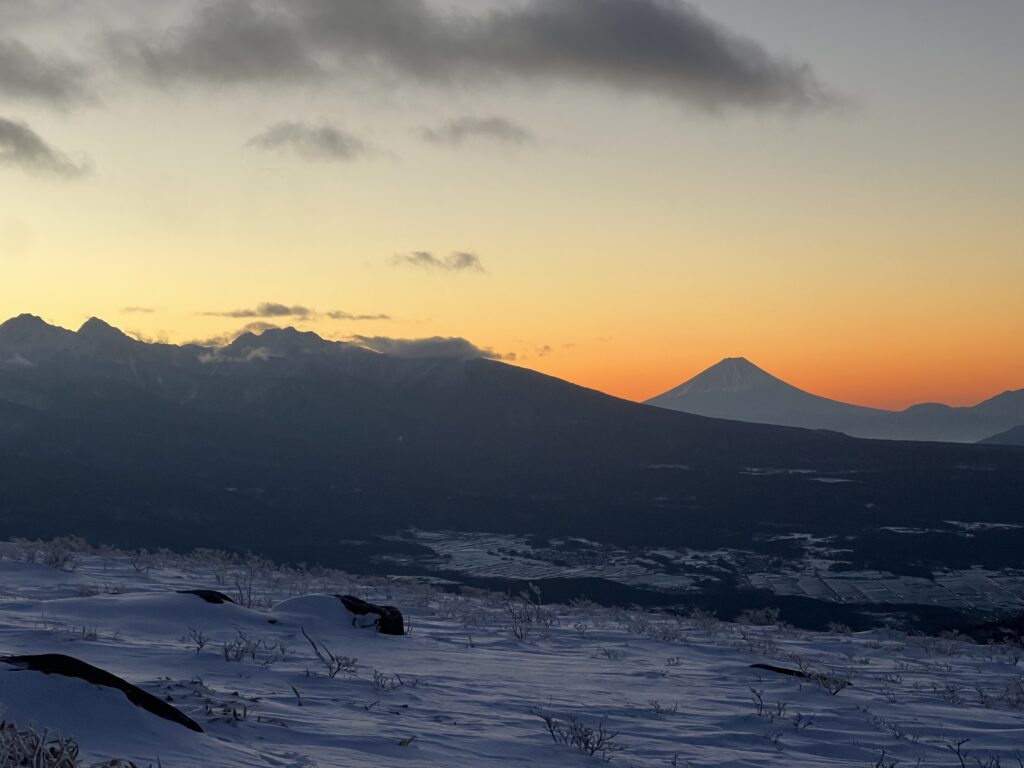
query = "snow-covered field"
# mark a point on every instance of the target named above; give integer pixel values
(473, 680)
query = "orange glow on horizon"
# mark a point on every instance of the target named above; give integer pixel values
(891, 390)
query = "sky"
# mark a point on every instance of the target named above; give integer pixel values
(616, 192)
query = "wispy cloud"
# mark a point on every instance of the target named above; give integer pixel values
(664, 48)
(339, 314)
(160, 337)
(267, 309)
(459, 261)
(138, 310)
(21, 147)
(461, 130)
(434, 346)
(311, 142)
(273, 309)
(26, 75)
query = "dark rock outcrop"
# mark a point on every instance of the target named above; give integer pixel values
(208, 595)
(831, 684)
(389, 619)
(67, 666)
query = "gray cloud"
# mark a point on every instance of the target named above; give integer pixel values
(23, 148)
(26, 75)
(342, 315)
(275, 309)
(460, 130)
(160, 337)
(267, 309)
(434, 346)
(665, 48)
(256, 328)
(312, 142)
(459, 261)
(138, 310)
(227, 41)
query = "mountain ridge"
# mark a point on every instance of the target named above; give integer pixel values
(731, 373)
(292, 445)
(767, 399)
(1014, 436)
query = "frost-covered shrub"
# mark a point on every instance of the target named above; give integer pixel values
(29, 747)
(59, 553)
(332, 663)
(575, 734)
(242, 646)
(1013, 693)
(143, 561)
(249, 571)
(526, 612)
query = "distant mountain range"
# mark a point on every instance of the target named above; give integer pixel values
(308, 449)
(1013, 436)
(737, 389)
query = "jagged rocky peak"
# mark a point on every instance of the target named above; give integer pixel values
(27, 333)
(96, 328)
(284, 341)
(23, 325)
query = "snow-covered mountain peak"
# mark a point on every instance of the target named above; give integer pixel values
(733, 374)
(737, 389)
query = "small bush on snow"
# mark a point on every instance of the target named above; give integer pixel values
(59, 553)
(332, 663)
(575, 734)
(31, 748)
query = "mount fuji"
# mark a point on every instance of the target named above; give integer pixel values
(737, 389)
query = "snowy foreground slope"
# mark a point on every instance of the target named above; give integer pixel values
(471, 682)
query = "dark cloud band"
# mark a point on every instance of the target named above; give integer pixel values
(267, 309)
(27, 75)
(21, 147)
(665, 48)
(273, 309)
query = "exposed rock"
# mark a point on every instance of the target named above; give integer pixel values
(389, 621)
(831, 684)
(208, 595)
(67, 666)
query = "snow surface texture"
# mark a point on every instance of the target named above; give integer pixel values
(469, 684)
